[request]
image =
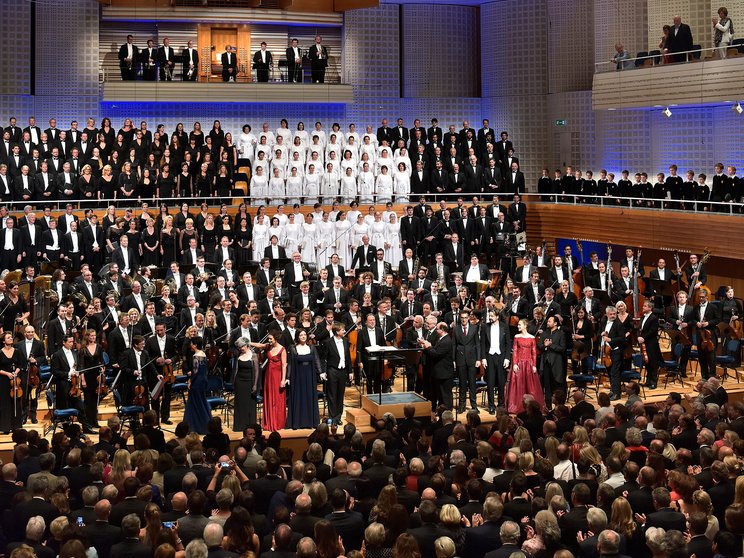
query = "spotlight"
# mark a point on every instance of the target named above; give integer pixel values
(667, 112)
(738, 109)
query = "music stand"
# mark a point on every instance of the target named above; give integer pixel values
(279, 264)
(603, 297)
(380, 353)
(662, 288)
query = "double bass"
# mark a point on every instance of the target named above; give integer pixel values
(577, 279)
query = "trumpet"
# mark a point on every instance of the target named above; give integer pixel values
(190, 72)
(129, 63)
(113, 293)
(168, 70)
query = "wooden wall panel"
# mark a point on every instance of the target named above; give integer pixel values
(658, 232)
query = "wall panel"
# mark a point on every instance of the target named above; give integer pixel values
(434, 66)
(15, 27)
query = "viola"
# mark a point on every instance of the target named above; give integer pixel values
(76, 387)
(15, 387)
(33, 374)
(168, 374)
(140, 395)
(102, 389)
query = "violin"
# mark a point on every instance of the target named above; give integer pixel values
(140, 395)
(76, 387)
(15, 387)
(33, 374)
(168, 374)
(102, 389)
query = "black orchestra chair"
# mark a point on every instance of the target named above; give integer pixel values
(59, 416)
(180, 387)
(128, 414)
(729, 359)
(216, 397)
(635, 373)
(672, 367)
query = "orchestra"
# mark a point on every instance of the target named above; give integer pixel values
(116, 298)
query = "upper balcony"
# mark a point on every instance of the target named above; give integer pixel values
(647, 81)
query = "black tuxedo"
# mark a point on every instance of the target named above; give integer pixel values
(420, 183)
(262, 61)
(294, 67)
(186, 61)
(318, 55)
(467, 354)
(128, 69)
(268, 252)
(336, 382)
(128, 379)
(365, 255)
(410, 231)
(439, 366)
(166, 59)
(229, 66)
(329, 299)
(496, 372)
(372, 369)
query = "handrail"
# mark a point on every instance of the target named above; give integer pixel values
(665, 204)
(661, 55)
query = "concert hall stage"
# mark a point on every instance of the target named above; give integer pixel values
(221, 92)
(297, 439)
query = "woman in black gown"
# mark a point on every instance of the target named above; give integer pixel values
(223, 184)
(245, 382)
(244, 242)
(304, 372)
(10, 414)
(166, 184)
(13, 308)
(209, 238)
(168, 241)
(150, 245)
(91, 360)
(107, 184)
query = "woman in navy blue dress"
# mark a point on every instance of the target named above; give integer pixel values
(198, 413)
(304, 371)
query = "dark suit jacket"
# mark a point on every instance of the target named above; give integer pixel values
(667, 518)
(439, 358)
(504, 552)
(268, 251)
(130, 548)
(570, 523)
(480, 540)
(365, 255)
(426, 535)
(185, 60)
(350, 527)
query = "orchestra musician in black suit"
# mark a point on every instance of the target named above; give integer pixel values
(190, 62)
(707, 317)
(136, 368)
(30, 351)
(294, 62)
(262, 63)
(229, 64)
(128, 56)
(149, 58)
(648, 335)
(163, 346)
(166, 60)
(364, 254)
(613, 335)
(318, 55)
(337, 367)
(64, 367)
(465, 337)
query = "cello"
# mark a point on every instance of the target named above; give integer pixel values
(577, 275)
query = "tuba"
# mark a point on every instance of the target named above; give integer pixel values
(149, 289)
(113, 293)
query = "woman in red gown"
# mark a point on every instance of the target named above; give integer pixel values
(523, 377)
(275, 386)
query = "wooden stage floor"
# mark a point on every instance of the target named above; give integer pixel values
(297, 439)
